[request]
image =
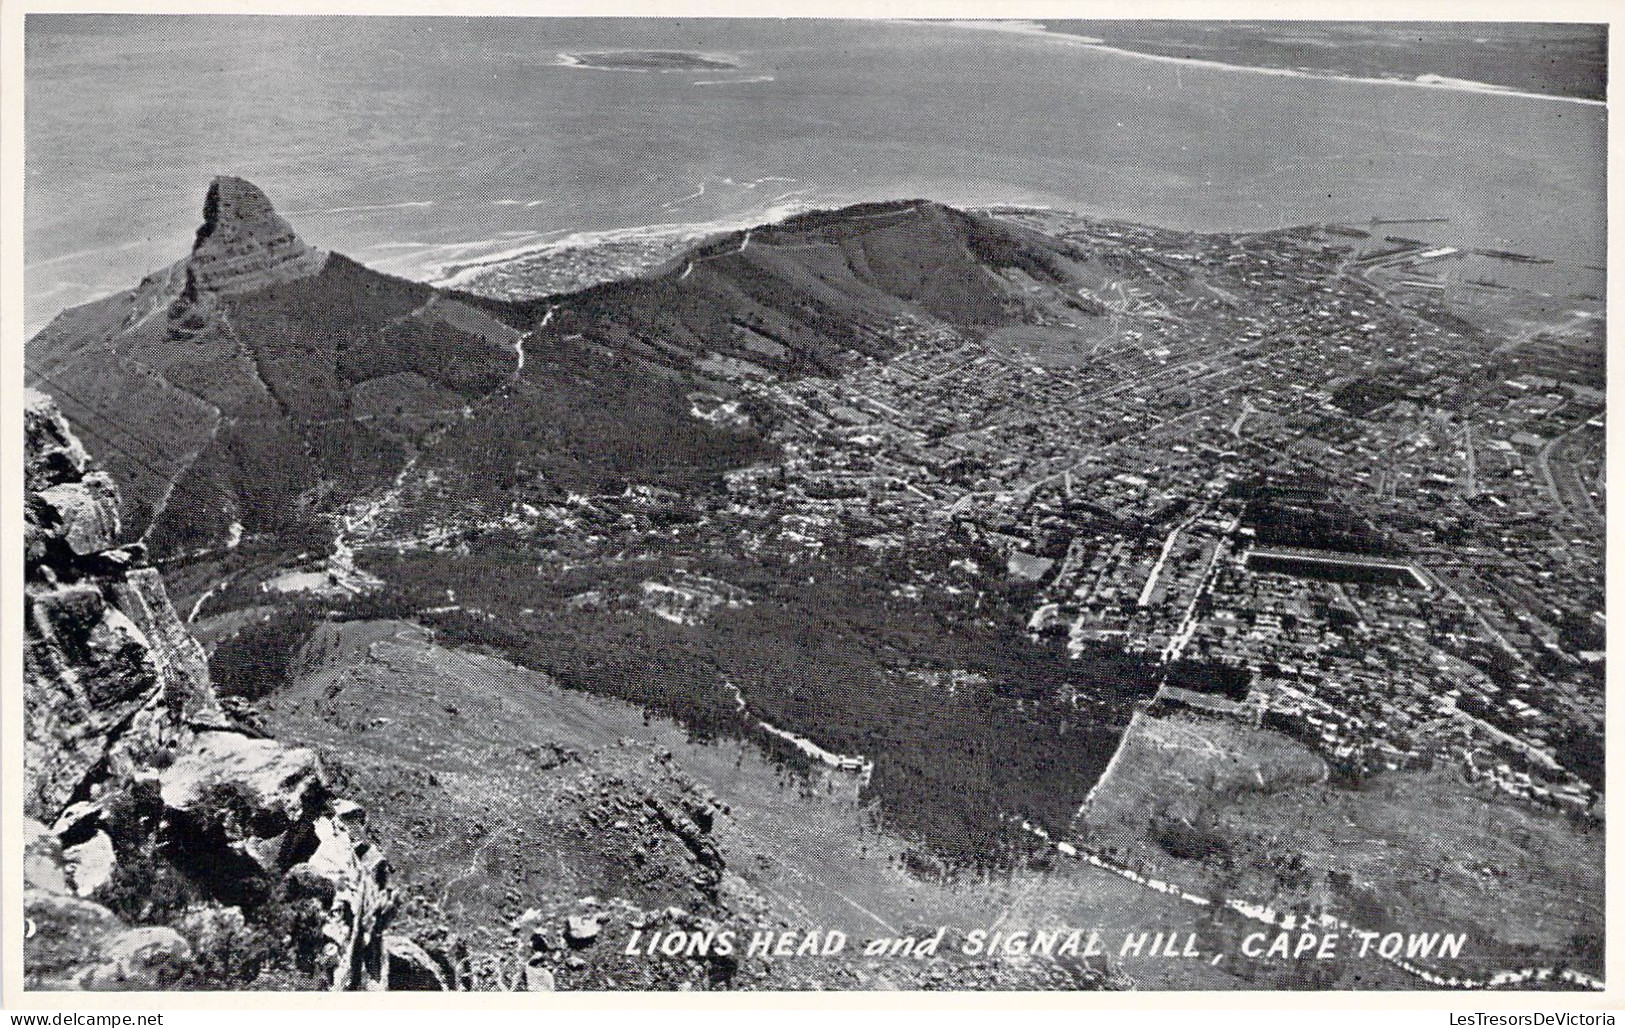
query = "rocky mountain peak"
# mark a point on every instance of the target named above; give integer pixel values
(236, 206)
(244, 244)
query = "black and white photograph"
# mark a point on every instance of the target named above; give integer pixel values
(525, 504)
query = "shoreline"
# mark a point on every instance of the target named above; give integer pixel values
(454, 274)
(1430, 81)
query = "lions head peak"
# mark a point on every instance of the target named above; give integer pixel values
(244, 244)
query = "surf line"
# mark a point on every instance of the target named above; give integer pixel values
(1425, 81)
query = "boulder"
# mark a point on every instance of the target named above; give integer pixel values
(360, 907)
(43, 863)
(91, 863)
(182, 666)
(74, 943)
(91, 690)
(349, 813)
(411, 969)
(280, 785)
(582, 930)
(77, 822)
(83, 514)
(140, 958)
(51, 452)
(538, 976)
(65, 938)
(525, 920)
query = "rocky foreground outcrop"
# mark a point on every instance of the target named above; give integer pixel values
(166, 845)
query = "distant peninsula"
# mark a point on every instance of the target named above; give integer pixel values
(649, 60)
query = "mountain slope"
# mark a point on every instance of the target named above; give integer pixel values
(605, 398)
(803, 295)
(257, 386)
(260, 380)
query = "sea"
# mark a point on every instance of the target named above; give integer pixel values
(418, 145)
